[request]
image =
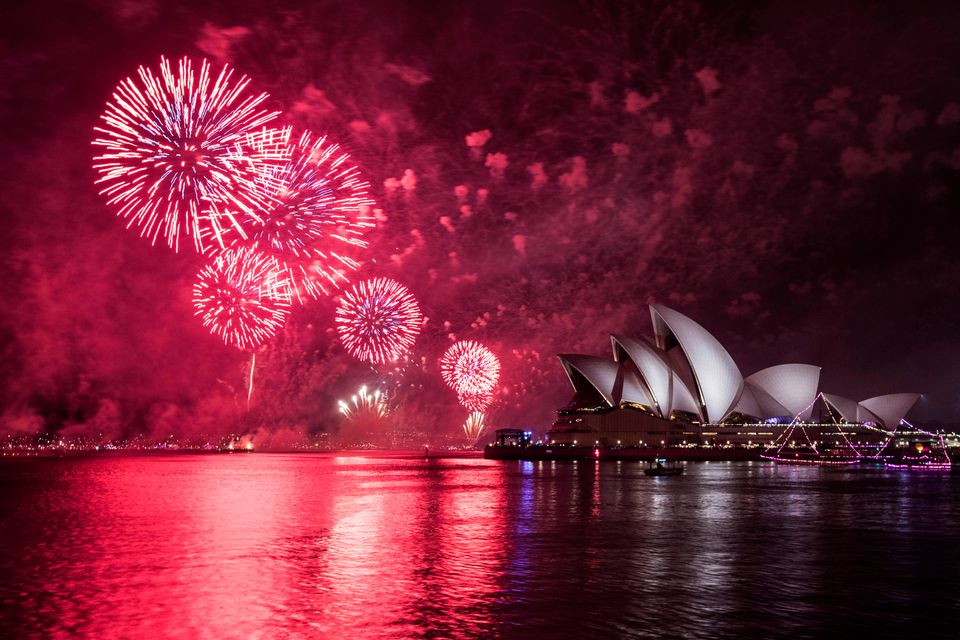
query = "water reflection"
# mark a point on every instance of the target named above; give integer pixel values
(308, 546)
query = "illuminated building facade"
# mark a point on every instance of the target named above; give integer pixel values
(682, 388)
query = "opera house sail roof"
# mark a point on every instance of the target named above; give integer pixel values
(662, 383)
(716, 376)
(686, 372)
(793, 386)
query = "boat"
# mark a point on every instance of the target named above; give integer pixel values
(918, 465)
(927, 461)
(660, 467)
(812, 457)
(917, 451)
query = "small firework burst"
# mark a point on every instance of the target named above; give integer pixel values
(171, 161)
(242, 297)
(365, 404)
(470, 369)
(378, 320)
(474, 425)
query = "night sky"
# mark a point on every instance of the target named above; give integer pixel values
(784, 173)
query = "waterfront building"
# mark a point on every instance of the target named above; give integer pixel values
(682, 388)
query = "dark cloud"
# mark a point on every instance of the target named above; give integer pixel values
(785, 175)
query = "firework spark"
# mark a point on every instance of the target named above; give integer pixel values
(470, 369)
(171, 160)
(364, 403)
(474, 425)
(243, 297)
(378, 320)
(316, 207)
(475, 401)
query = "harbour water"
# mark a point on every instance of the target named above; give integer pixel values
(396, 546)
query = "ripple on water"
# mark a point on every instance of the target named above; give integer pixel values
(301, 546)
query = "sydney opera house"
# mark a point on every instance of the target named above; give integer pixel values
(683, 389)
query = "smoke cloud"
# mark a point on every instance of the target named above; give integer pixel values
(785, 178)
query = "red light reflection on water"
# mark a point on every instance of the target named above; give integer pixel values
(307, 546)
(230, 547)
(406, 550)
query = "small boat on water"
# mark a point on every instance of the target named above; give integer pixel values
(919, 465)
(921, 451)
(808, 457)
(930, 461)
(660, 467)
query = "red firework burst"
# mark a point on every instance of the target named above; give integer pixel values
(243, 297)
(316, 206)
(171, 160)
(378, 320)
(470, 369)
(477, 402)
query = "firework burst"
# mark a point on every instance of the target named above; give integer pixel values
(242, 297)
(365, 404)
(470, 369)
(475, 401)
(378, 320)
(474, 425)
(316, 208)
(171, 160)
